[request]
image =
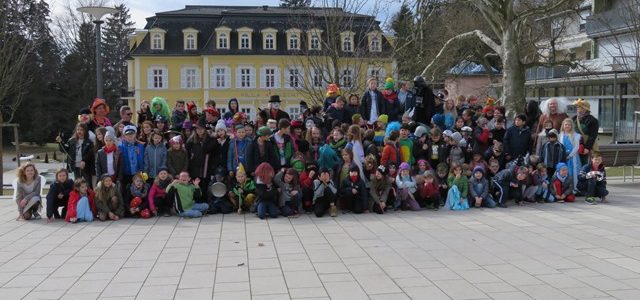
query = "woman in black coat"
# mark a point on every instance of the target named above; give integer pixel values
(262, 150)
(79, 150)
(199, 148)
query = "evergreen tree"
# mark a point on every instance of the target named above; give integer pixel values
(115, 47)
(295, 3)
(403, 25)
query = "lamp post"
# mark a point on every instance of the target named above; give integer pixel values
(97, 12)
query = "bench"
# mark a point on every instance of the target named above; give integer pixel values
(616, 155)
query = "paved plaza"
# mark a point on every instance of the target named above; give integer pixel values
(540, 251)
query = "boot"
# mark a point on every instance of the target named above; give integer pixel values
(333, 211)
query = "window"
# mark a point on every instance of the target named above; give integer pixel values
(223, 41)
(244, 41)
(316, 78)
(220, 77)
(375, 44)
(346, 79)
(156, 41)
(294, 112)
(245, 77)
(294, 78)
(270, 77)
(293, 42)
(315, 42)
(314, 39)
(583, 19)
(268, 42)
(190, 42)
(377, 72)
(221, 110)
(190, 78)
(347, 44)
(249, 112)
(157, 78)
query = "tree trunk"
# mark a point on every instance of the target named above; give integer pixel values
(1, 153)
(513, 73)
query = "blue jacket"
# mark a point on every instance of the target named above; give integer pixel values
(232, 163)
(133, 155)
(155, 158)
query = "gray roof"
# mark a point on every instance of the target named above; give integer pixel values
(219, 10)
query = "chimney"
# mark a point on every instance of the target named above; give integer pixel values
(265, 7)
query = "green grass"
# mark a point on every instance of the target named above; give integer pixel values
(617, 171)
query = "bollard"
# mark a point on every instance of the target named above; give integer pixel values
(46, 158)
(624, 176)
(55, 156)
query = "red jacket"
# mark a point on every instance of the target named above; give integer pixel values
(306, 181)
(155, 192)
(389, 154)
(74, 197)
(429, 190)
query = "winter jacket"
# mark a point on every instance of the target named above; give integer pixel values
(319, 189)
(177, 161)
(63, 188)
(286, 189)
(333, 113)
(155, 158)
(517, 141)
(567, 186)
(328, 101)
(219, 154)
(409, 99)
(365, 104)
(87, 153)
(103, 200)
(392, 106)
(429, 190)
(199, 156)
(267, 193)
(155, 192)
(589, 168)
(478, 187)
(287, 149)
(379, 191)
(552, 153)
(177, 118)
(101, 164)
(133, 158)
(185, 195)
(74, 197)
(406, 183)
(255, 157)
(346, 190)
(406, 151)
(462, 183)
(588, 128)
(389, 154)
(237, 153)
(481, 138)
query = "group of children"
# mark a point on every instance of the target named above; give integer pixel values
(279, 167)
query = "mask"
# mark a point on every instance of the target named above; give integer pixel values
(309, 124)
(275, 105)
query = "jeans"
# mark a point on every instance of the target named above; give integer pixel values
(196, 211)
(593, 188)
(83, 210)
(265, 208)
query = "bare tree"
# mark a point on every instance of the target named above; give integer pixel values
(327, 61)
(513, 39)
(67, 25)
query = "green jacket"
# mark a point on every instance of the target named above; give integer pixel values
(462, 183)
(249, 187)
(288, 149)
(186, 194)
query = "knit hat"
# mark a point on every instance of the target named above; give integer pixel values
(456, 136)
(187, 124)
(296, 124)
(447, 133)
(384, 119)
(239, 126)
(420, 131)
(382, 169)
(466, 129)
(404, 166)
(221, 125)
(356, 118)
(438, 119)
(263, 131)
(478, 169)
(422, 161)
(354, 168)
(109, 135)
(297, 165)
(582, 103)
(388, 84)
(561, 165)
(176, 140)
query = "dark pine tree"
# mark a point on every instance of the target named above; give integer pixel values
(295, 3)
(115, 47)
(403, 24)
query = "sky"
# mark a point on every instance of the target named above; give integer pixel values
(140, 10)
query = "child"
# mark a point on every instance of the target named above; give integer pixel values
(184, 194)
(81, 206)
(455, 150)
(442, 176)
(479, 190)
(552, 152)
(458, 189)
(380, 129)
(542, 182)
(177, 157)
(477, 160)
(155, 156)
(338, 141)
(390, 151)
(242, 195)
(178, 116)
(347, 160)
(58, 195)
(158, 202)
(429, 192)
(108, 199)
(423, 167)
(436, 149)
(517, 139)
(290, 194)
(379, 191)
(498, 132)
(543, 137)
(571, 141)
(406, 145)
(27, 195)
(219, 203)
(324, 194)
(406, 188)
(496, 152)
(353, 191)
(593, 180)
(420, 144)
(512, 183)
(328, 158)
(562, 184)
(267, 192)
(138, 189)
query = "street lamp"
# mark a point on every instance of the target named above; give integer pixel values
(97, 12)
(615, 67)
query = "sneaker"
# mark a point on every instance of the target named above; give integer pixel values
(560, 201)
(591, 200)
(502, 205)
(333, 211)
(36, 216)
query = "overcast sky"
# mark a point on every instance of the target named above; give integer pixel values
(141, 9)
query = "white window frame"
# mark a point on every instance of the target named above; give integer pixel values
(294, 42)
(294, 77)
(156, 43)
(274, 72)
(346, 39)
(223, 40)
(190, 77)
(293, 111)
(226, 77)
(315, 78)
(376, 44)
(314, 34)
(378, 72)
(269, 41)
(245, 37)
(314, 43)
(343, 76)
(221, 110)
(190, 42)
(249, 111)
(157, 72)
(241, 76)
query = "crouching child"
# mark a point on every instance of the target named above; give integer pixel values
(479, 190)
(592, 180)
(184, 195)
(562, 184)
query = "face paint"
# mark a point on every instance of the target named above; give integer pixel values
(275, 105)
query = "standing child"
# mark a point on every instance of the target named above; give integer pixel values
(562, 184)
(353, 191)
(390, 151)
(237, 149)
(155, 156)
(177, 156)
(406, 188)
(243, 193)
(81, 206)
(267, 192)
(178, 116)
(58, 195)
(158, 202)
(458, 189)
(593, 180)
(290, 194)
(479, 189)
(571, 141)
(406, 145)
(436, 148)
(552, 152)
(108, 200)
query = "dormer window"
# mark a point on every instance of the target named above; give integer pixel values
(347, 41)
(157, 38)
(269, 38)
(314, 36)
(222, 40)
(293, 39)
(244, 38)
(190, 38)
(375, 41)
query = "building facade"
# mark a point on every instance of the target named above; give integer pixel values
(249, 53)
(604, 38)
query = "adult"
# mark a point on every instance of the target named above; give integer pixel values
(553, 109)
(125, 114)
(234, 107)
(274, 109)
(333, 91)
(144, 113)
(372, 102)
(587, 125)
(100, 110)
(425, 101)
(406, 97)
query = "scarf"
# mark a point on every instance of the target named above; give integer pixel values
(560, 177)
(339, 144)
(162, 184)
(110, 149)
(354, 179)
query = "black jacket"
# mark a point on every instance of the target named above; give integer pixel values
(517, 141)
(101, 163)
(255, 158)
(87, 153)
(219, 155)
(588, 127)
(267, 194)
(200, 156)
(365, 104)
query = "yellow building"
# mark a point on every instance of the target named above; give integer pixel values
(249, 53)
